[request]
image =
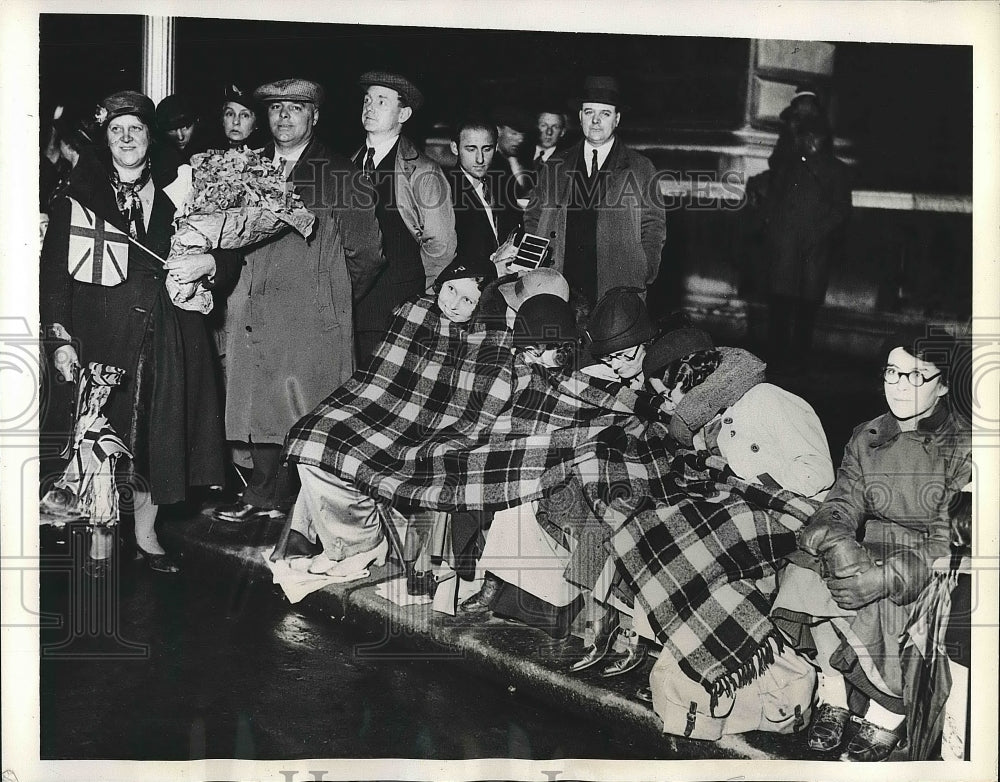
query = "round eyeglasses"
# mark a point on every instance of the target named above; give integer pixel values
(621, 355)
(891, 375)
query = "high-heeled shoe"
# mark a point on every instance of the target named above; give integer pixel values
(356, 564)
(635, 655)
(158, 563)
(606, 630)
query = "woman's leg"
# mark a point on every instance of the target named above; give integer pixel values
(144, 510)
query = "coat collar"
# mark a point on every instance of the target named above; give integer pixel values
(886, 428)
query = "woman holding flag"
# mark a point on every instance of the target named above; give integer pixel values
(103, 299)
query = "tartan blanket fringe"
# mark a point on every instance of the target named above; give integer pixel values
(692, 539)
(762, 659)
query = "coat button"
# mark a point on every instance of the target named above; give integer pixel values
(754, 447)
(727, 421)
(732, 433)
(249, 329)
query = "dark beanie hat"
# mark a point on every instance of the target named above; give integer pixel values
(672, 346)
(175, 111)
(544, 319)
(618, 321)
(462, 267)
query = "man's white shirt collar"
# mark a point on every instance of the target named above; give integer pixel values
(602, 153)
(477, 186)
(382, 148)
(290, 158)
(545, 153)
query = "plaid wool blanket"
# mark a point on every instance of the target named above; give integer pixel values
(691, 538)
(444, 418)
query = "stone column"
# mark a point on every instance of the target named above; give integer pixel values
(158, 39)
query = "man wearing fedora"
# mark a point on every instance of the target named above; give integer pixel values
(596, 202)
(413, 205)
(290, 334)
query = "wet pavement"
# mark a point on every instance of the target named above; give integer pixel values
(215, 663)
(204, 665)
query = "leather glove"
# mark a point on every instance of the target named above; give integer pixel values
(816, 538)
(846, 558)
(861, 589)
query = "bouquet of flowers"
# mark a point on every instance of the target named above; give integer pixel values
(236, 198)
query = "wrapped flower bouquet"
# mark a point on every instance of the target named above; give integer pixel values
(236, 198)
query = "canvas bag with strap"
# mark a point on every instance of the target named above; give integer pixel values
(778, 700)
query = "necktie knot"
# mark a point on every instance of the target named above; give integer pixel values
(369, 165)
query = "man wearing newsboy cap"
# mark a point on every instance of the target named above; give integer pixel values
(290, 334)
(597, 203)
(412, 202)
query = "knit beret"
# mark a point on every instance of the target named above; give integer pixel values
(672, 346)
(406, 88)
(463, 267)
(300, 90)
(126, 102)
(618, 321)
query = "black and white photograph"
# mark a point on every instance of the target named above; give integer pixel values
(521, 391)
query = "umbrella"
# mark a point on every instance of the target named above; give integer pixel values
(924, 661)
(86, 489)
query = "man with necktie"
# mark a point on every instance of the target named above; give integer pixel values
(290, 336)
(551, 130)
(412, 203)
(482, 220)
(598, 204)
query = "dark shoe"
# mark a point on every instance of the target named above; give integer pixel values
(159, 563)
(483, 599)
(606, 632)
(241, 513)
(827, 729)
(634, 656)
(871, 744)
(645, 694)
(420, 582)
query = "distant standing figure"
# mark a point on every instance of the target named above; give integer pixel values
(808, 205)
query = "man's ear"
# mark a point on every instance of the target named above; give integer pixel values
(942, 389)
(405, 113)
(315, 116)
(454, 148)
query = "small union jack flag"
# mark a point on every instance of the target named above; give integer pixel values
(98, 252)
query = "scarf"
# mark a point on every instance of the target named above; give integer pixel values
(129, 203)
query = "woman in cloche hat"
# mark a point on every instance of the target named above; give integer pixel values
(102, 304)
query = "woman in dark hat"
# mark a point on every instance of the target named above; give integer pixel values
(166, 409)
(239, 119)
(896, 484)
(179, 123)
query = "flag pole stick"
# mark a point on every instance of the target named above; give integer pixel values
(144, 247)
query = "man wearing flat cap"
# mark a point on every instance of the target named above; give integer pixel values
(413, 204)
(596, 202)
(290, 338)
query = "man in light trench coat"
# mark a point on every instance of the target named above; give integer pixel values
(291, 334)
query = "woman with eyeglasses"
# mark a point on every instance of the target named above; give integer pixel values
(871, 545)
